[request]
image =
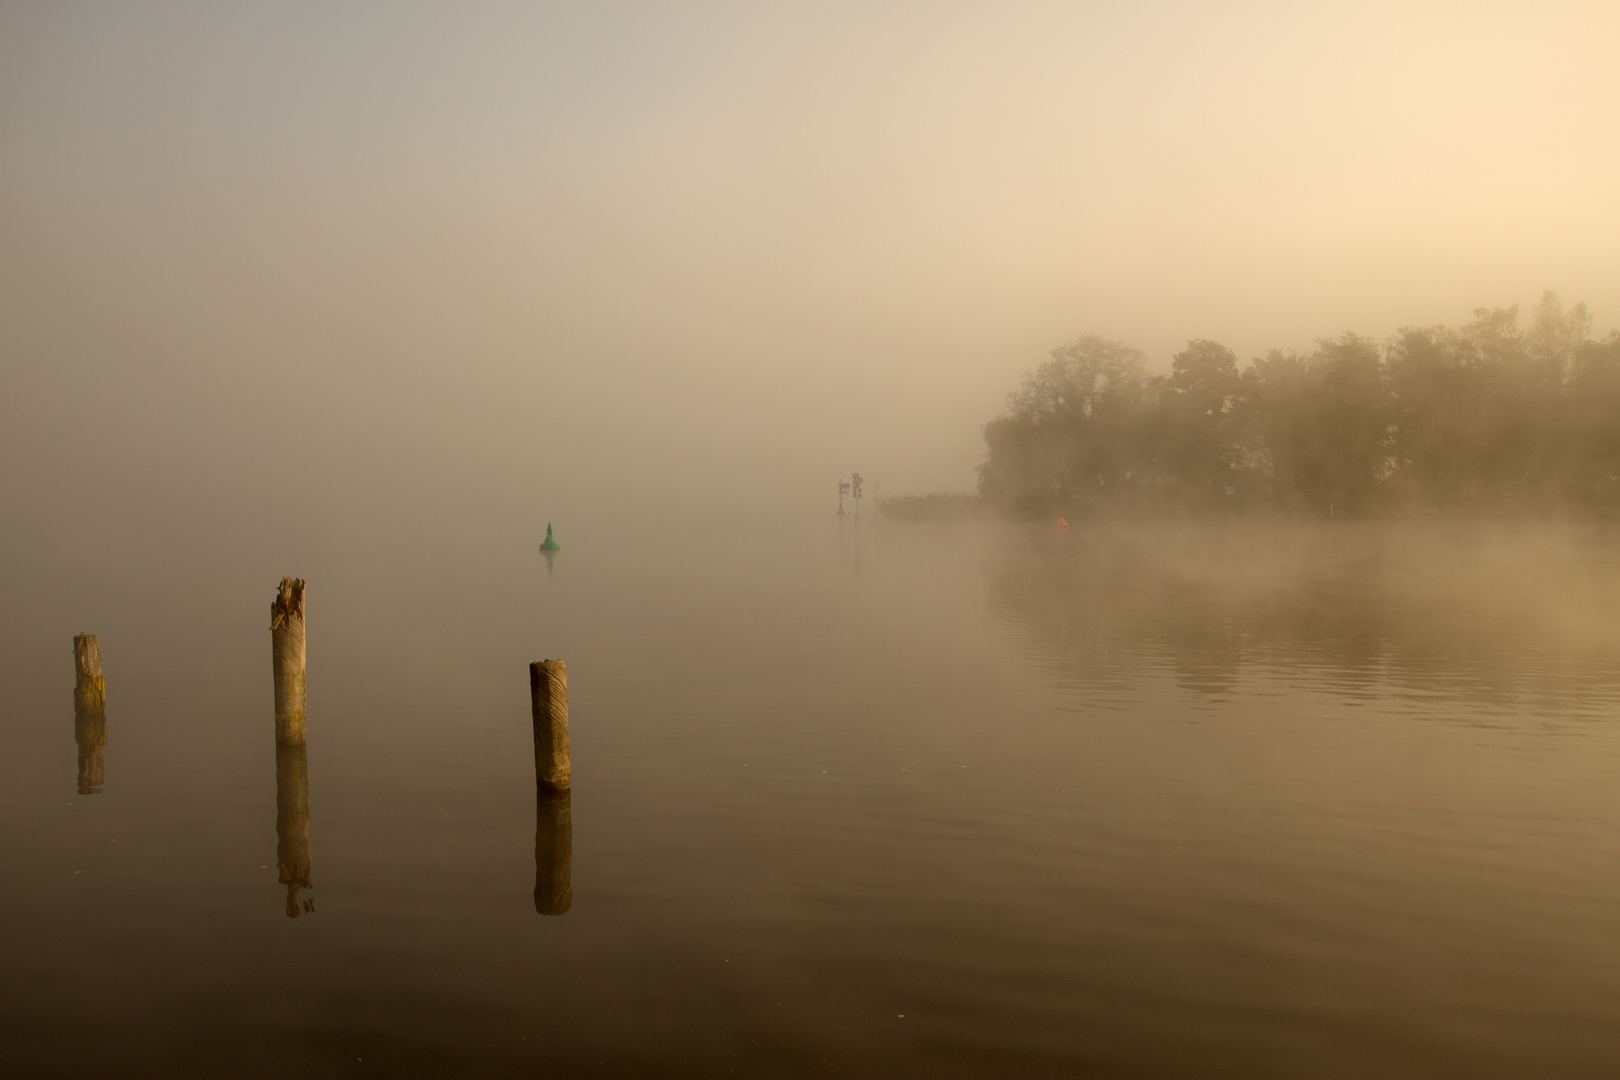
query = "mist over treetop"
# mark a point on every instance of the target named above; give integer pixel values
(1488, 414)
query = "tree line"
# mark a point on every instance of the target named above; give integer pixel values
(1490, 414)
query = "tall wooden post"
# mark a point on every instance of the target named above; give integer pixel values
(553, 852)
(89, 713)
(294, 865)
(287, 660)
(548, 695)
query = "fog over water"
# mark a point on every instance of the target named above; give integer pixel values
(608, 254)
(371, 295)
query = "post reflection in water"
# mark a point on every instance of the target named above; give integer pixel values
(553, 852)
(90, 732)
(293, 862)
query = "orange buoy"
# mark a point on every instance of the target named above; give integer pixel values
(1060, 522)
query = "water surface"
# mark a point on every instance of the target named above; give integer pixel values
(876, 798)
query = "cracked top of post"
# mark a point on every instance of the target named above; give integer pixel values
(289, 603)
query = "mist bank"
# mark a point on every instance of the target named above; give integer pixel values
(1491, 417)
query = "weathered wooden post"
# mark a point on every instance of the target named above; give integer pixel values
(287, 658)
(548, 696)
(294, 865)
(89, 713)
(89, 688)
(553, 852)
(554, 821)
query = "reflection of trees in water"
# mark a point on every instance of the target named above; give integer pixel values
(1491, 618)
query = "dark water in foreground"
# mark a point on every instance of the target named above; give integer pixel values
(875, 800)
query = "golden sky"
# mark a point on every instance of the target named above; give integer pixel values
(643, 242)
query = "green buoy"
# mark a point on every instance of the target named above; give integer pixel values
(548, 544)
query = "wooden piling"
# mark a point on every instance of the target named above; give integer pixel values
(287, 658)
(89, 713)
(294, 865)
(548, 695)
(89, 688)
(553, 852)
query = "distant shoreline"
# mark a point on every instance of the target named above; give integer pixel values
(1490, 419)
(943, 506)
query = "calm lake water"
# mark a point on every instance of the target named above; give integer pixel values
(871, 799)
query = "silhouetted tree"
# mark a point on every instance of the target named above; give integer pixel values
(1342, 448)
(1594, 423)
(1076, 424)
(1197, 433)
(1437, 394)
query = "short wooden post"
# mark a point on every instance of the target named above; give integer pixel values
(287, 657)
(89, 688)
(553, 852)
(548, 695)
(89, 713)
(294, 866)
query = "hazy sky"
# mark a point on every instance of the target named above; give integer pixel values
(732, 250)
